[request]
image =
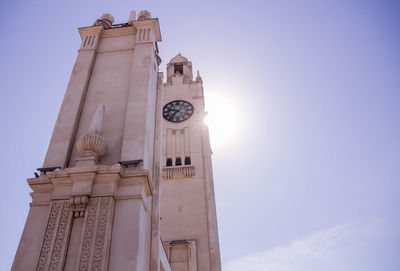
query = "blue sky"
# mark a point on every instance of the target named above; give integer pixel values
(310, 180)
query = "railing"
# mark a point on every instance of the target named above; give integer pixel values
(120, 25)
(178, 172)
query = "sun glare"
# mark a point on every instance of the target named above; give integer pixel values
(221, 119)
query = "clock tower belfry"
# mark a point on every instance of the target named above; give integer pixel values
(188, 213)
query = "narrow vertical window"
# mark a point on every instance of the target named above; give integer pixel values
(178, 161)
(169, 162)
(187, 161)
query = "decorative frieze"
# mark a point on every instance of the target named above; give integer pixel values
(54, 246)
(48, 237)
(60, 242)
(96, 235)
(88, 235)
(100, 234)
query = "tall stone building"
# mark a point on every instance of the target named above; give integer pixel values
(127, 180)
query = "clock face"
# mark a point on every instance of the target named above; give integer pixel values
(177, 111)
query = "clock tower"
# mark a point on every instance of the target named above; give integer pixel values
(188, 215)
(127, 181)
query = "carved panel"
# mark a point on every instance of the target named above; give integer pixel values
(88, 235)
(96, 235)
(55, 241)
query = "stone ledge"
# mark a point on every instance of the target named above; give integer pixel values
(178, 172)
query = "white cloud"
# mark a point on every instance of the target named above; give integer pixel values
(301, 254)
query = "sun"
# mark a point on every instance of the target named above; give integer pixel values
(222, 119)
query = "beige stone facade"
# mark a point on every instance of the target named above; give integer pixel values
(127, 180)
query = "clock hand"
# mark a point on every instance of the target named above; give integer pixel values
(170, 116)
(174, 113)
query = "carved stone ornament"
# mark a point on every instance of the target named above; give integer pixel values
(96, 234)
(78, 204)
(55, 242)
(106, 20)
(93, 144)
(143, 15)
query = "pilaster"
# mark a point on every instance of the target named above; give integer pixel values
(65, 129)
(155, 216)
(138, 138)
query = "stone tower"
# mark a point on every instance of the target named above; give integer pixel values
(188, 216)
(97, 204)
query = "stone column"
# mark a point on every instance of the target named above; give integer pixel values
(155, 216)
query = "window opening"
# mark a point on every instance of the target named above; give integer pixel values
(169, 162)
(178, 161)
(178, 68)
(187, 161)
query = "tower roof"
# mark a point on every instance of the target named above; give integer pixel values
(179, 59)
(181, 66)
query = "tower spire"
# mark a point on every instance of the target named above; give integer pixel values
(198, 77)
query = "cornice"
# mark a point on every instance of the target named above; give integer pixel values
(123, 176)
(193, 82)
(90, 30)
